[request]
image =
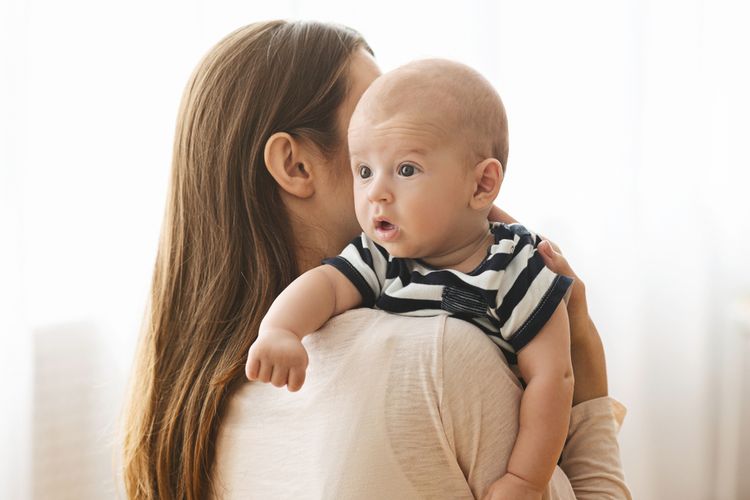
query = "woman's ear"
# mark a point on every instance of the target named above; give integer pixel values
(287, 162)
(488, 177)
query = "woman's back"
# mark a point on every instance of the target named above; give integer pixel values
(392, 407)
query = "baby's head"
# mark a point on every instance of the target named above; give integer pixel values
(428, 144)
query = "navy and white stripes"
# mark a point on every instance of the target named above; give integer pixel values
(510, 295)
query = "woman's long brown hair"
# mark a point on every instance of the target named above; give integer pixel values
(225, 250)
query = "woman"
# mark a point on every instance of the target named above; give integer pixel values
(260, 192)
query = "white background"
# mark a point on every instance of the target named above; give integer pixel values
(629, 147)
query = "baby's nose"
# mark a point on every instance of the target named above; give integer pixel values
(380, 192)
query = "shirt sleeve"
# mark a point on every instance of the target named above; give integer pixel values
(591, 457)
(529, 292)
(479, 409)
(479, 406)
(365, 263)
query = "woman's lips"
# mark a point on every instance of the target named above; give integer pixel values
(386, 231)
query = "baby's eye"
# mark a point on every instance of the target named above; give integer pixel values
(407, 170)
(364, 171)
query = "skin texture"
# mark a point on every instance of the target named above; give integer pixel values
(456, 101)
(414, 180)
(317, 191)
(317, 194)
(418, 193)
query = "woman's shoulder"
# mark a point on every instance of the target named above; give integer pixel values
(467, 348)
(431, 344)
(429, 340)
(375, 331)
(371, 397)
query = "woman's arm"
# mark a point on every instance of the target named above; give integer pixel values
(479, 409)
(591, 456)
(595, 419)
(587, 351)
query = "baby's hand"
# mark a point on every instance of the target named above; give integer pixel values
(277, 356)
(512, 487)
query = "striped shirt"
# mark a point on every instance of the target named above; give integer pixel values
(509, 296)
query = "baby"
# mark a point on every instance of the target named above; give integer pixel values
(428, 145)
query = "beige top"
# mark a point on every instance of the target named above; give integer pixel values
(398, 407)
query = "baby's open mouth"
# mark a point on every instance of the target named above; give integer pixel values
(386, 231)
(384, 225)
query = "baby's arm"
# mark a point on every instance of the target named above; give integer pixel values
(545, 410)
(277, 355)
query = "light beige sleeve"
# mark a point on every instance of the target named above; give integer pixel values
(591, 457)
(479, 407)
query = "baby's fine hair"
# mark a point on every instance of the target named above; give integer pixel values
(460, 94)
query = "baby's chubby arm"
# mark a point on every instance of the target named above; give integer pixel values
(545, 410)
(277, 355)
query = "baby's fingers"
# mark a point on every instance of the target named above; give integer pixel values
(264, 374)
(279, 375)
(296, 379)
(252, 368)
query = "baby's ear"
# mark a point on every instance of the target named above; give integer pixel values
(488, 176)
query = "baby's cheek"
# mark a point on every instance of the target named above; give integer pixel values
(360, 198)
(360, 211)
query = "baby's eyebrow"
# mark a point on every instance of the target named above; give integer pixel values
(409, 151)
(355, 162)
(355, 157)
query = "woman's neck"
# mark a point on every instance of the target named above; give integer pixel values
(308, 258)
(313, 243)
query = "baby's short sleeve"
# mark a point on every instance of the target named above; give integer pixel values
(528, 291)
(365, 263)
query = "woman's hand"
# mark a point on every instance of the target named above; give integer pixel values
(499, 215)
(586, 349)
